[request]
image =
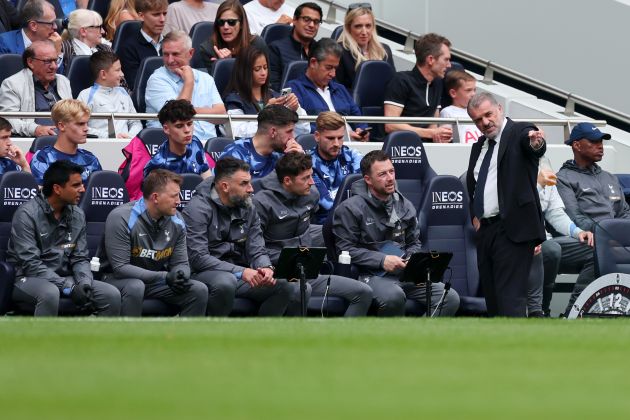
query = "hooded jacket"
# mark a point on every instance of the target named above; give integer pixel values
(591, 194)
(284, 216)
(222, 238)
(362, 226)
(42, 246)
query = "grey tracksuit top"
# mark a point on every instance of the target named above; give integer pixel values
(284, 216)
(44, 247)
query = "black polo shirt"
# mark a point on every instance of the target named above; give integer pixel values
(411, 91)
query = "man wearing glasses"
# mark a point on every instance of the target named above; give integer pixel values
(306, 21)
(36, 88)
(261, 13)
(39, 17)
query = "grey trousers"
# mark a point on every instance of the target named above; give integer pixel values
(535, 285)
(42, 296)
(134, 291)
(390, 296)
(356, 293)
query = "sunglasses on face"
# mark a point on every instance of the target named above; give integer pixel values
(353, 6)
(231, 22)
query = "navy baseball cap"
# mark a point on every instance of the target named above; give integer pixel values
(586, 131)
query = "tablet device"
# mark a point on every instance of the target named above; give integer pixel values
(310, 258)
(418, 264)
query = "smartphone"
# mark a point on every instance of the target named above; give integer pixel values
(364, 133)
(286, 91)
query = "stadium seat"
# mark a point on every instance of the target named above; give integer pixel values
(293, 70)
(100, 6)
(16, 188)
(80, 74)
(368, 94)
(275, 31)
(222, 74)
(336, 33)
(199, 33)
(624, 180)
(146, 69)
(152, 138)
(38, 144)
(307, 141)
(216, 145)
(445, 225)
(257, 184)
(612, 247)
(9, 65)
(126, 30)
(187, 189)
(413, 172)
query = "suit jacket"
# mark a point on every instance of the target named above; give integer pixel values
(517, 169)
(11, 42)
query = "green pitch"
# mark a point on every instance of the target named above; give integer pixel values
(313, 369)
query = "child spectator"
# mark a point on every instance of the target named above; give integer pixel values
(461, 86)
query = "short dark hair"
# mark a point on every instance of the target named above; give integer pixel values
(323, 48)
(157, 180)
(292, 164)
(371, 157)
(5, 124)
(102, 60)
(429, 44)
(278, 115)
(176, 110)
(456, 78)
(59, 173)
(308, 5)
(228, 166)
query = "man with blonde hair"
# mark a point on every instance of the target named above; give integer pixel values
(332, 161)
(71, 118)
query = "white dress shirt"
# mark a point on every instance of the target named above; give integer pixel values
(491, 191)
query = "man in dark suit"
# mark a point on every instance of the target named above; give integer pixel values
(501, 182)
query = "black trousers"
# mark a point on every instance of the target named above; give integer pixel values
(503, 270)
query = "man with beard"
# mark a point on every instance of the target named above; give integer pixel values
(504, 201)
(226, 248)
(275, 136)
(379, 228)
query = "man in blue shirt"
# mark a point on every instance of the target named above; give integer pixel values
(11, 157)
(275, 136)
(177, 80)
(71, 119)
(332, 161)
(181, 152)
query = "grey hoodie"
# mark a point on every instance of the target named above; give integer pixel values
(591, 194)
(362, 226)
(222, 238)
(44, 247)
(284, 216)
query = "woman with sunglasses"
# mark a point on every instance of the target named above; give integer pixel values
(250, 92)
(83, 35)
(360, 43)
(231, 35)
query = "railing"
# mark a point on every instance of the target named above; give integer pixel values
(491, 70)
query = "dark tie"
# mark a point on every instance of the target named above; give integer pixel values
(481, 181)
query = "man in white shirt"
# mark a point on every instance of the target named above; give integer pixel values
(182, 15)
(261, 13)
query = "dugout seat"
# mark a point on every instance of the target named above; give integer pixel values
(368, 91)
(215, 146)
(152, 138)
(612, 246)
(187, 189)
(307, 141)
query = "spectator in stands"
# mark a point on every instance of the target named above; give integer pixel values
(148, 41)
(275, 136)
(71, 120)
(360, 43)
(84, 34)
(569, 252)
(306, 21)
(317, 91)
(332, 160)
(261, 13)
(69, 6)
(182, 15)
(35, 88)
(226, 247)
(177, 80)
(379, 228)
(143, 252)
(181, 152)
(230, 36)
(48, 248)
(119, 11)
(589, 193)
(461, 86)
(417, 93)
(250, 92)
(39, 24)
(11, 157)
(108, 96)
(285, 206)
(9, 16)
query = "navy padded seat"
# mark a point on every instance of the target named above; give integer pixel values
(275, 31)
(215, 146)
(187, 189)
(612, 247)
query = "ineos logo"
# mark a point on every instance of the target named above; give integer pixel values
(14, 196)
(152, 148)
(107, 193)
(406, 151)
(440, 197)
(184, 197)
